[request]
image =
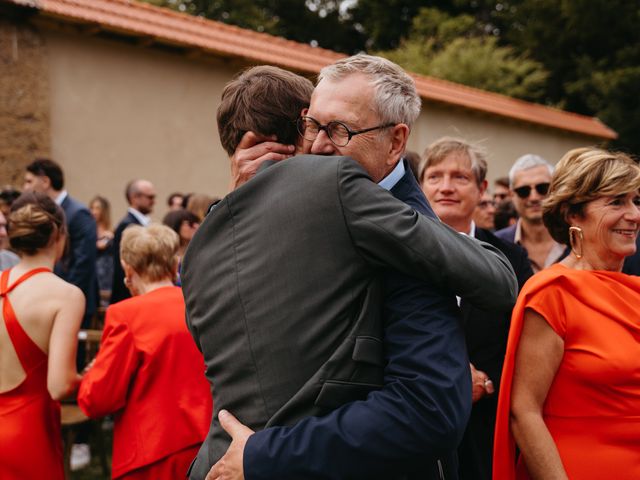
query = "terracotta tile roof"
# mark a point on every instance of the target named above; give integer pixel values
(167, 26)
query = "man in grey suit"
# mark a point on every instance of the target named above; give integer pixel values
(282, 291)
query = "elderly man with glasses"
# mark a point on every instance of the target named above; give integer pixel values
(363, 107)
(529, 179)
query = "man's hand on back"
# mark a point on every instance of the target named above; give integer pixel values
(252, 150)
(230, 466)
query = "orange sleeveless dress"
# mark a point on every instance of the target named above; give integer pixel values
(30, 438)
(592, 409)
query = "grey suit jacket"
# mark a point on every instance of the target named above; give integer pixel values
(281, 293)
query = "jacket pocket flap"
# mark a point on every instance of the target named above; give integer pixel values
(368, 350)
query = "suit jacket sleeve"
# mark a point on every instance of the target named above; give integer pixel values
(118, 289)
(389, 233)
(82, 231)
(420, 413)
(104, 388)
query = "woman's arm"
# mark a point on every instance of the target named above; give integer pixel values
(105, 386)
(537, 359)
(62, 377)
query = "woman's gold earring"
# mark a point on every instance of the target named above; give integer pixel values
(573, 233)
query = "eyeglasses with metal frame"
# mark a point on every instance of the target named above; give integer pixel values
(339, 134)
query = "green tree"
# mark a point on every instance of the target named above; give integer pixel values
(456, 48)
(592, 50)
(580, 55)
(317, 22)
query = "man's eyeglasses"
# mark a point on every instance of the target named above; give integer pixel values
(525, 190)
(339, 134)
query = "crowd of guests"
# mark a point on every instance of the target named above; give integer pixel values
(87, 259)
(553, 376)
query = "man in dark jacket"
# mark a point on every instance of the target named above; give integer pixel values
(420, 412)
(78, 266)
(452, 174)
(140, 197)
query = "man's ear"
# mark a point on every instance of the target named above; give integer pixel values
(304, 111)
(483, 187)
(399, 137)
(128, 269)
(46, 182)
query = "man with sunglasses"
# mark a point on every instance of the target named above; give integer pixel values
(529, 179)
(363, 107)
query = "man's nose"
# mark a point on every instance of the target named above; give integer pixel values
(322, 145)
(446, 185)
(534, 195)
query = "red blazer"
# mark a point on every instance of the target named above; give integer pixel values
(151, 375)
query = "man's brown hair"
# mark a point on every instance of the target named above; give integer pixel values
(266, 100)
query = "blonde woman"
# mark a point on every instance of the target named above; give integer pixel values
(149, 371)
(101, 211)
(570, 392)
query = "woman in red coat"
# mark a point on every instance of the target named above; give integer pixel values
(148, 371)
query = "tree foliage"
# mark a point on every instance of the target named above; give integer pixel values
(318, 22)
(456, 48)
(581, 55)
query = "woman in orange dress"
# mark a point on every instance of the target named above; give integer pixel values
(148, 371)
(570, 396)
(41, 315)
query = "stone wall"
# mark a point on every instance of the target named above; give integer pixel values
(24, 99)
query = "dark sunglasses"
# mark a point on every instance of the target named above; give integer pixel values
(525, 191)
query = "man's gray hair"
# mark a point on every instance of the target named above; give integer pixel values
(396, 99)
(526, 162)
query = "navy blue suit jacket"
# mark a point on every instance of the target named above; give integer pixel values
(399, 431)
(78, 266)
(487, 333)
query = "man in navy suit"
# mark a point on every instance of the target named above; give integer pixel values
(78, 266)
(363, 107)
(140, 196)
(452, 174)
